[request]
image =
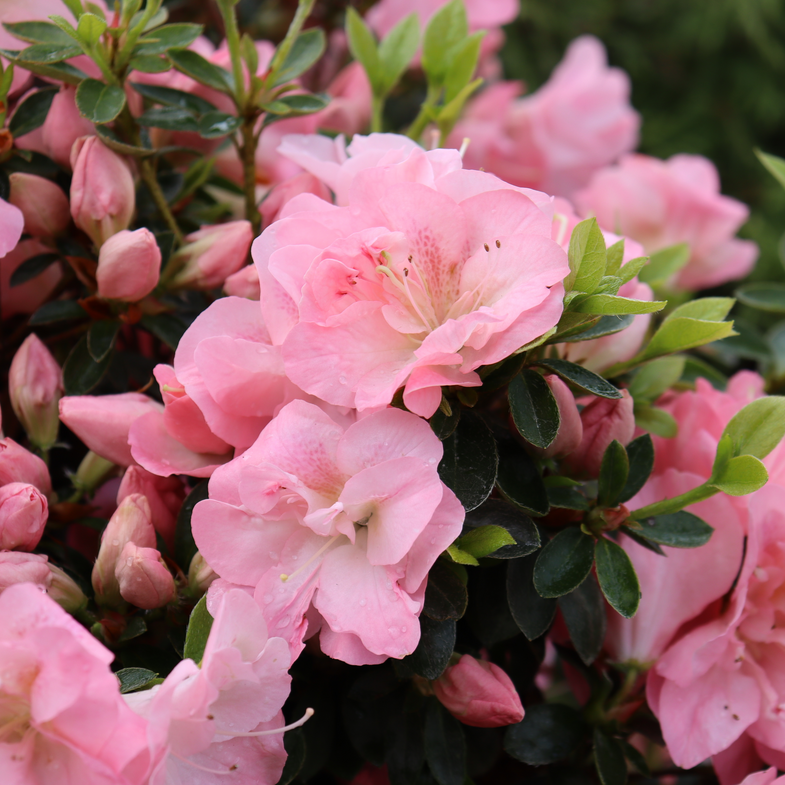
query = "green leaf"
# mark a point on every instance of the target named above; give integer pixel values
(470, 461)
(758, 428)
(712, 309)
(32, 112)
(46, 54)
(298, 104)
(485, 541)
(548, 733)
(199, 626)
(614, 472)
(194, 65)
(57, 311)
(464, 65)
(607, 325)
(617, 577)
(170, 97)
(615, 258)
(445, 745)
(741, 475)
(32, 267)
(397, 50)
(295, 746)
(184, 545)
(679, 334)
(170, 118)
(362, 45)
(656, 421)
(149, 64)
(769, 296)
(665, 263)
(38, 32)
(132, 679)
(640, 453)
(564, 563)
(444, 424)
(446, 31)
(164, 326)
(519, 479)
(582, 378)
(136, 626)
(177, 36)
(499, 513)
(654, 378)
(532, 613)
(81, 373)
(609, 304)
(461, 557)
(445, 594)
(98, 102)
(676, 529)
(101, 337)
(62, 72)
(588, 257)
(433, 652)
(306, 50)
(632, 269)
(449, 113)
(635, 758)
(534, 409)
(567, 496)
(774, 164)
(90, 28)
(609, 759)
(585, 615)
(217, 124)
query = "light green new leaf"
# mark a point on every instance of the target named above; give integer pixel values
(611, 305)
(199, 626)
(707, 309)
(90, 29)
(362, 45)
(446, 31)
(463, 66)
(587, 257)
(758, 428)
(484, 541)
(774, 164)
(461, 557)
(680, 334)
(665, 263)
(397, 50)
(632, 269)
(615, 258)
(741, 475)
(656, 421)
(655, 377)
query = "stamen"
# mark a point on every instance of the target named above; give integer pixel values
(562, 219)
(285, 577)
(498, 244)
(169, 388)
(273, 731)
(464, 144)
(487, 247)
(203, 768)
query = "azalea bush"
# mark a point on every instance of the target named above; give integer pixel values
(368, 419)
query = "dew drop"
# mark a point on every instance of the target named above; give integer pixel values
(403, 629)
(392, 630)
(363, 603)
(342, 379)
(433, 541)
(282, 622)
(115, 542)
(273, 555)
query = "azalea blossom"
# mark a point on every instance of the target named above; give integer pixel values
(335, 528)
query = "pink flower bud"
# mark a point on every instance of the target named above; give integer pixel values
(43, 204)
(132, 522)
(20, 465)
(35, 384)
(479, 693)
(129, 264)
(16, 567)
(91, 472)
(102, 190)
(63, 126)
(102, 421)
(143, 578)
(65, 591)
(244, 283)
(603, 421)
(23, 514)
(200, 575)
(570, 426)
(211, 255)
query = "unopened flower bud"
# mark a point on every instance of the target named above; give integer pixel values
(63, 126)
(92, 471)
(43, 204)
(211, 255)
(23, 514)
(200, 575)
(20, 465)
(129, 264)
(570, 425)
(132, 522)
(143, 578)
(102, 190)
(35, 384)
(65, 591)
(604, 419)
(17, 567)
(479, 693)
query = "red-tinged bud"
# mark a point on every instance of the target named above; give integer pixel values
(604, 420)
(143, 578)
(211, 255)
(132, 522)
(102, 190)
(43, 204)
(200, 575)
(23, 514)
(20, 465)
(35, 384)
(479, 694)
(570, 425)
(129, 265)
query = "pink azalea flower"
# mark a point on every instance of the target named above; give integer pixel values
(12, 222)
(427, 274)
(63, 718)
(223, 718)
(555, 139)
(335, 527)
(661, 203)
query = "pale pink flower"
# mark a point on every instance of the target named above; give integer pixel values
(335, 527)
(428, 273)
(768, 777)
(63, 715)
(28, 296)
(274, 202)
(12, 223)
(662, 203)
(579, 121)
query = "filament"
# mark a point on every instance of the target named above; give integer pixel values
(285, 577)
(273, 731)
(203, 768)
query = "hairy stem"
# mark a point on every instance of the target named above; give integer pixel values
(248, 156)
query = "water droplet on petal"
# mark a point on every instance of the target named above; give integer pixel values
(433, 541)
(273, 555)
(403, 629)
(363, 603)
(342, 379)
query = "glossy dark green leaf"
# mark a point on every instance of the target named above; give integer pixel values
(768, 296)
(199, 625)
(32, 267)
(548, 733)
(496, 512)
(470, 461)
(606, 325)
(295, 746)
(532, 613)
(101, 337)
(566, 497)
(640, 453)
(650, 545)
(165, 326)
(58, 311)
(445, 594)
(136, 626)
(170, 118)
(157, 41)
(132, 679)
(582, 378)
(194, 65)
(405, 755)
(171, 97)
(609, 759)
(298, 104)
(534, 409)
(98, 102)
(184, 545)
(149, 64)
(564, 563)
(307, 49)
(635, 758)
(585, 615)
(445, 745)
(31, 113)
(617, 577)
(39, 33)
(677, 529)
(444, 424)
(214, 125)
(614, 471)
(50, 53)
(81, 373)
(488, 616)
(519, 479)
(62, 72)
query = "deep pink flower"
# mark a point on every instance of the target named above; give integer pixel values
(428, 273)
(339, 523)
(661, 203)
